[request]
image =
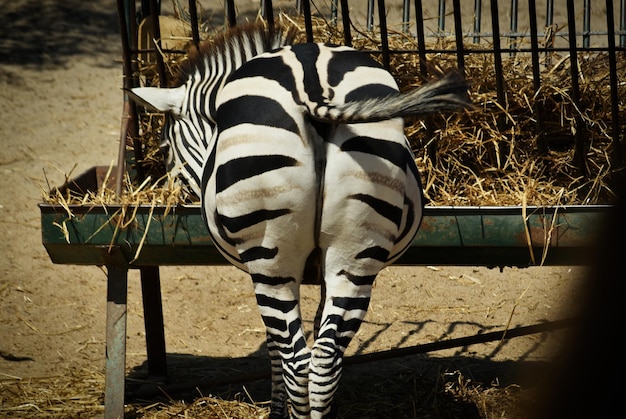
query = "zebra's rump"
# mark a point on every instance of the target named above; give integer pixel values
(278, 176)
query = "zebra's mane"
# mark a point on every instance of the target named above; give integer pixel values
(252, 33)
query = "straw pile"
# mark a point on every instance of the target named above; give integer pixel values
(487, 156)
(490, 155)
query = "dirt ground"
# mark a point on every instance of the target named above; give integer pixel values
(60, 97)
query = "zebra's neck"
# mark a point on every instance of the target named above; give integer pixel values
(209, 66)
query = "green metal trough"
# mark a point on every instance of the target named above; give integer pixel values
(146, 237)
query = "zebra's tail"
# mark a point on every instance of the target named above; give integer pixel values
(447, 94)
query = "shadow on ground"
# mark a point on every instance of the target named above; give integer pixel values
(414, 386)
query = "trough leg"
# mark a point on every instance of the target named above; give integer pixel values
(153, 320)
(117, 281)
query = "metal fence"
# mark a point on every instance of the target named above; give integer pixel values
(502, 30)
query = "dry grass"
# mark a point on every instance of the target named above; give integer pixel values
(489, 156)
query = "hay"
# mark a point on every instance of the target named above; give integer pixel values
(489, 155)
(482, 157)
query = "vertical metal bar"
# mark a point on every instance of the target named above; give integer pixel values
(333, 12)
(117, 285)
(268, 15)
(370, 15)
(153, 322)
(579, 155)
(549, 13)
(549, 22)
(129, 128)
(513, 26)
(308, 23)
(382, 17)
(458, 34)
(618, 156)
(193, 16)
(534, 51)
(231, 15)
(156, 34)
(406, 11)
(497, 54)
(586, 23)
(441, 17)
(477, 20)
(431, 147)
(345, 19)
(622, 23)
(421, 39)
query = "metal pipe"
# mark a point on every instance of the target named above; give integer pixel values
(370, 15)
(406, 11)
(513, 25)
(193, 16)
(333, 12)
(477, 20)
(382, 17)
(231, 16)
(534, 46)
(618, 156)
(579, 154)
(622, 23)
(156, 34)
(308, 23)
(268, 14)
(441, 17)
(549, 13)
(586, 23)
(421, 41)
(497, 56)
(345, 19)
(458, 34)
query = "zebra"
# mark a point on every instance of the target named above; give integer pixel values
(298, 154)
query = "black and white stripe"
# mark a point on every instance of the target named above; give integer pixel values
(299, 156)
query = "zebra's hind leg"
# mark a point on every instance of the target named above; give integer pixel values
(346, 303)
(289, 353)
(278, 405)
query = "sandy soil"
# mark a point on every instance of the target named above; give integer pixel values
(60, 97)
